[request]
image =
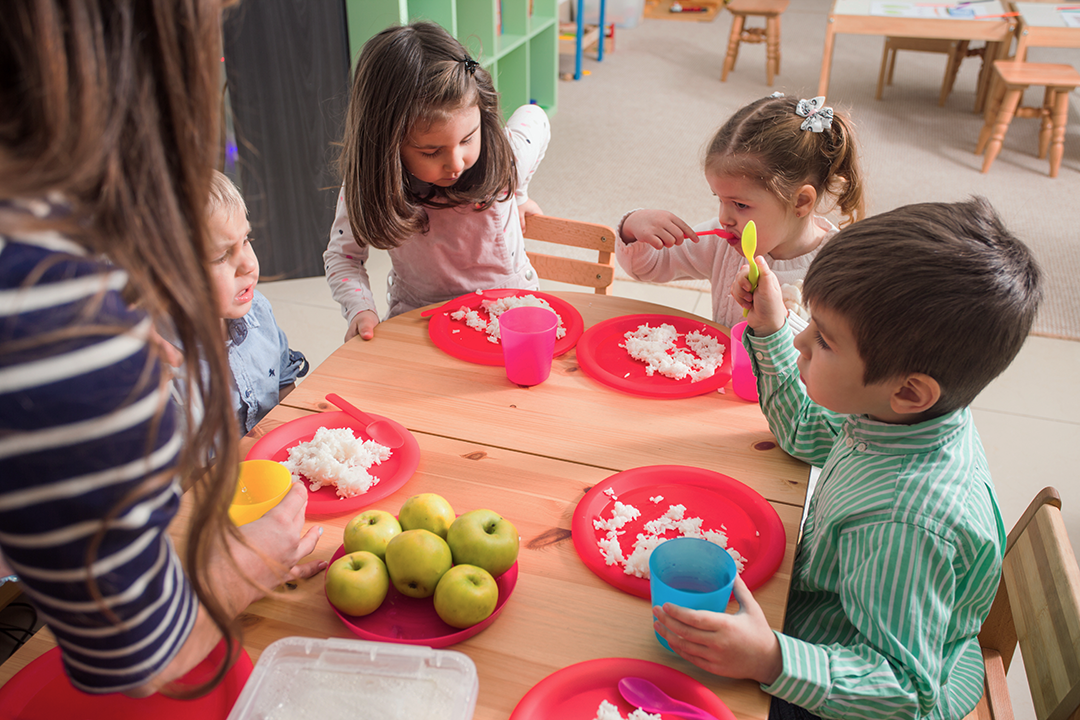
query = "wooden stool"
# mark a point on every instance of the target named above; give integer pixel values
(770, 34)
(957, 50)
(1010, 80)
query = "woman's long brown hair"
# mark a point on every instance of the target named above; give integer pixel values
(115, 106)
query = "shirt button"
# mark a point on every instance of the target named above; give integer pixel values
(529, 275)
(861, 447)
(759, 355)
(849, 442)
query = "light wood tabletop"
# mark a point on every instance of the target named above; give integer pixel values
(530, 454)
(857, 17)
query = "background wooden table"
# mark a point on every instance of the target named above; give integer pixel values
(530, 454)
(1041, 25)
(853, 17)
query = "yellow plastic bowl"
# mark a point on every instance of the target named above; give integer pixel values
(261, 485)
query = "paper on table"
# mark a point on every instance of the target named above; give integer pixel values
(922, 10)
(1072, 19)
(907, 9)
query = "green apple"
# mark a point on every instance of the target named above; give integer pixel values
(416, 559)
(485, 539)
(427, 511)
(371, 530)
(466, 595)
(357, 583)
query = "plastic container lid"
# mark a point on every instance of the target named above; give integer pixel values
(299, 678)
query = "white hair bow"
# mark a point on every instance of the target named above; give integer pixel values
(818, 118)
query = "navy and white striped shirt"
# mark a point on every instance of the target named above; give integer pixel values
(84, 420)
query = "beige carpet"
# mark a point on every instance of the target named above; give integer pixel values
(631, 134)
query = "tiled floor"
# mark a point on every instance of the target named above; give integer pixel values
(1027, 417)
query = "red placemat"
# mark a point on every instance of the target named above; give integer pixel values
(474, 346)
(600, 355)
(392, 473)
(413, 621)
(41, 691)
(575, 692)
(723, 503)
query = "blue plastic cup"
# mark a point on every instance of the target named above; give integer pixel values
(692, 573)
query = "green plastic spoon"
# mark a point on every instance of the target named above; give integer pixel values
(749, 247)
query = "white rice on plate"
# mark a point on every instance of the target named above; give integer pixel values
(495, 308)
(610, 711)
(657, 347)
(656, 531)
(336, 457)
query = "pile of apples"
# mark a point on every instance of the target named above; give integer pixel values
(425, 551)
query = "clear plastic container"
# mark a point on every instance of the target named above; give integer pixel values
(297, 678)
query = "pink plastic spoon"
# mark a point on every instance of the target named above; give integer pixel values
(380, 431)
(645, 695)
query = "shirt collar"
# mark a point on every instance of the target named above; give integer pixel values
(237, 330)
(891, 439)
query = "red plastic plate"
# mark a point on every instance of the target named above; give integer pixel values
(473, 346)
(41, 691)
(751, 523)
(413, 621)
(392, 473)
(599, 354)
(576, 691)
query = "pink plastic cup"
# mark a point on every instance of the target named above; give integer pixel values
(742, 372)
(527, 335)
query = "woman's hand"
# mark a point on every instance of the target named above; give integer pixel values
(275, 544)
(277, 535)
(766, 312)
(740, 645)
(658, 228)
(363, 324)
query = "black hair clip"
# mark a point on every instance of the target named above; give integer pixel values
(470, 65)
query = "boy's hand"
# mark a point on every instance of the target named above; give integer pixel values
(529, 207)
(765, 304)
(658, 228)
(739, 646)
(363, 324)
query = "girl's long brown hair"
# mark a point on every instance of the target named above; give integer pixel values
(115, 106)
(408, 75)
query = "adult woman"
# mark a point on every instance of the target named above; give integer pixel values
(108, 132)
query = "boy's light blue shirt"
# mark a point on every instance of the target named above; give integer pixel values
(899, 560)
(261, 362)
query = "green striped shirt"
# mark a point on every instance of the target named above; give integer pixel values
(899, 559)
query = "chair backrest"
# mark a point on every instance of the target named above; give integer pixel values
(1038, 607)
(598, 274)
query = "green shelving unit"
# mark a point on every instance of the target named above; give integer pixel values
(517, 41)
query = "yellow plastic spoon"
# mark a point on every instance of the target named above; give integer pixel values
(749, 247)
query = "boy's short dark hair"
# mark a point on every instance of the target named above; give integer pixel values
(937, 288)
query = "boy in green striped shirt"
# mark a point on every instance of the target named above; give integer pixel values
(914, 312)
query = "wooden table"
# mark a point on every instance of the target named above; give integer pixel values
(853, 17)
(1041, 25)
(531, 454)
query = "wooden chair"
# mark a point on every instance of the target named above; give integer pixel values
(1010, 80)
(770, 34)
(956, 50)
(599, 274)
(1038, 606)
